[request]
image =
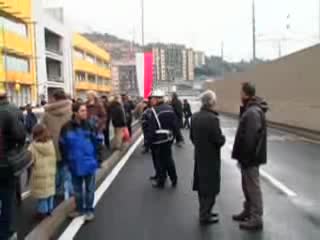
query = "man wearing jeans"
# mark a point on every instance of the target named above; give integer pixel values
(250, 149)
(78, 145)
(12, 133)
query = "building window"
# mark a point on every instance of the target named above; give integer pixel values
(78, 54)
(16, 64)
(90, 58)
(80, 77)
(92, 79)
(14, 26)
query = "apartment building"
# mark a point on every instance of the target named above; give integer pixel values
(125, 73)
(54, 51)
(92, 69)
(199, 59)
(190, 64)
(17, 51)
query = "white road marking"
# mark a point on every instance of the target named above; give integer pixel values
(25, 195)
(77, 223)
(272, 180)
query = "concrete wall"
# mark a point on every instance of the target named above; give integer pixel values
(291, 85)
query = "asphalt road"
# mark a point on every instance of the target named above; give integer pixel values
(132, 209)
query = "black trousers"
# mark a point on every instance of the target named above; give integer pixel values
(186, 122)
(206, 203)
(155, 162)
(106, 133)
(163, 157)
(7, 209)
(129, 126)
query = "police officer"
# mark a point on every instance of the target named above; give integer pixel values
(162, 128)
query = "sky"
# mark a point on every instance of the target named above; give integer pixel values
(205, 24)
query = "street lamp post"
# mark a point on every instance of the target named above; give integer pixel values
(254, 32)
(142, 22)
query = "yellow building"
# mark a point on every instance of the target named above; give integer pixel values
(91, 65)
(17, 51)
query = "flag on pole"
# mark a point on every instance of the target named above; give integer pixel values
(144, 65)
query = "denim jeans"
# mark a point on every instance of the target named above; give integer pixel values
(84, 189)
(63, 182)
(7, 208)
(45, 205)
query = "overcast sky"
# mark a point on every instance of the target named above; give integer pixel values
(204, 24)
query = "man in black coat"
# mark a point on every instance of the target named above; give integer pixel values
(206, 135)
(187, 113)
(128, 107)
(178, 110)
(250, 150)
(12, 134)
(160, 131)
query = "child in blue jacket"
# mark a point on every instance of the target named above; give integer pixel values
(78, 145)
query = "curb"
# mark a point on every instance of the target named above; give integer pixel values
(49, 226)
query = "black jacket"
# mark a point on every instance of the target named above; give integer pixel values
(187, 110)
(12, 134)
(117, 115)
(207, 137)
(128, 108)
(250, 146)
(168, 121)
(178, 109)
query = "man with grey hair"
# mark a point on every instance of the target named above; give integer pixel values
(207, 138)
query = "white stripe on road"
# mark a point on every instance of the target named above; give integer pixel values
(276, 183)
(25, 195)
(272, 180)
(77, 223)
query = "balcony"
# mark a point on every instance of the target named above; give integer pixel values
(16, 44)
(85, 66)
(57, 79)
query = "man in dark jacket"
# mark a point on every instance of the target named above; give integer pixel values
(12, 134)
(118, 119)
(128, 107)
(250, 149)
(30, 119)
(178, 110)
(187, 113)
(207, 138)
(161, 129)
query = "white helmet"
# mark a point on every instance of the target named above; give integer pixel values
(158, 93)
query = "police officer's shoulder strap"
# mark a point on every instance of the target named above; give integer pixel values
(156, 117)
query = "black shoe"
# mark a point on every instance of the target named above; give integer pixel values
(158, 185)
(210, 220)
(242, 217)
(174, 183)
(153, 178)
(215, 215)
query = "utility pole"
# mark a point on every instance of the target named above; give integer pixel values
(142, 23)
(222, 51)
(254, 57)
(319, 19)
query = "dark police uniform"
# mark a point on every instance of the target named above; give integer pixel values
(161, 130)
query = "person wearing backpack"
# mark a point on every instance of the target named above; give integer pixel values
(12, 135)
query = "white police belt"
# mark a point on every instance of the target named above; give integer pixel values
(167, 136)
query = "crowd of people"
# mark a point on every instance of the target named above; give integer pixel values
(62, 150)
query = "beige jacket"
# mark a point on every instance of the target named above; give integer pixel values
(56, 115)
(44, 169)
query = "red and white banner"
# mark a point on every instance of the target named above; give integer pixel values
(144, 65)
